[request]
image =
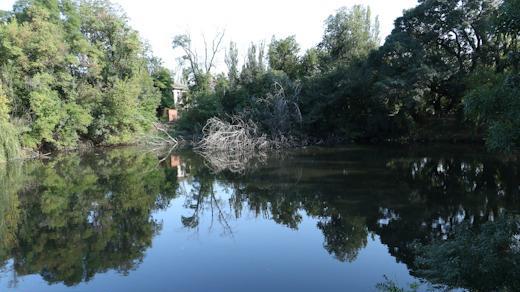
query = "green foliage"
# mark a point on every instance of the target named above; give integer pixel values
(445, 63)
(283, 56)
(340, 102)
(249, 94)
(404, 76)
(203, 107)
(5, 108)
(270, 99)
(9, 141)
(424, 64)
(75, 71)
(232, 63)
(350, 35)
(254, 65)
(276, 107)
(163, 81)
(479, 259)
(309, 63)
(4, 15)
(351, 110)
(493, 103)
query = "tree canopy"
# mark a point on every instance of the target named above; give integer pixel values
(76, 72)
(447, 72)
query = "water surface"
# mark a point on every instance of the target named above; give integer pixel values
(314, 219)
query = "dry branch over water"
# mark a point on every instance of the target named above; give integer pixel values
(235, 136)
(162, 137)
(235, 143)
(231, 145)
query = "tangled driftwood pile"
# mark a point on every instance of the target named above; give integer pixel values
(237, 135)
(232, 145)
(272, 122)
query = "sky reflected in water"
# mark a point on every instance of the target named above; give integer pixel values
(315, 219)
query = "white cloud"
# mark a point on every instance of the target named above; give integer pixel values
(244, 20)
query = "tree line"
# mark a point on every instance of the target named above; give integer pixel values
(448, 71)
(74, 72)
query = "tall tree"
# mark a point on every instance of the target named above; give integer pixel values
(454, 37)
(63, 64)
(254, 63)
(199, 65)
(350, 35)
(283, 55)
(232, 63)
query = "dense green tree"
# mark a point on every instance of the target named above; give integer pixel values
(232, 64)
(493, 102)
(507, 25)
(254, 64)
(491, 98)
(275, 105)
(432, 49)
(338, 100)
(64, 65)
(283, 56)
(9, 141)
(203, 106)
(344, 96)
(163, 81)
(309, 63)
(5, 108)
(446, 66)
(349, 35)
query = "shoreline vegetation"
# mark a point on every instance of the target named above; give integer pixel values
(73, 73)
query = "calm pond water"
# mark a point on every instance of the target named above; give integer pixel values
(314, 219)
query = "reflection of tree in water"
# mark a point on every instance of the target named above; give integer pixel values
(82, 216)
(10, 184)
(344, 237)
(201, 198)
(446, 198)
(73, 217)
(283, 200)
(478, 258)
(444, 193)
(272, 201)
(275, 196)
(404, 201)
